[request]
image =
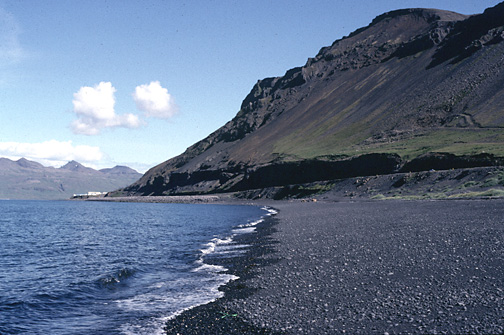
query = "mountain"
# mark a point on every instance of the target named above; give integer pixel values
(24, 163)
(77, 167)
(24, 179)
(415, 88)
(120, 170)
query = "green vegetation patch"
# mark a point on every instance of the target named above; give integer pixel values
(494, 181)
(458, 141)
(491, 193)
(424, 196)
(302, 144)
(303, 190)
(349, 142)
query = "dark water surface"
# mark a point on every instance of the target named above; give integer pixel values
(110, 268)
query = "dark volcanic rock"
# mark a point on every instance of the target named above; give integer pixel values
(471, 35)
(446, 161)
(315, 170)
(276, 174)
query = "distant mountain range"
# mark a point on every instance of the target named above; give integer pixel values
(24, 179)
(415, 89)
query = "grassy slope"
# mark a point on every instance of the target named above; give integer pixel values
(459, 141)
(387, 97)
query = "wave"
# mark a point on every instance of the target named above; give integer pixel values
(200, 286)
(225, 246)
(110, 280)
(210, 246)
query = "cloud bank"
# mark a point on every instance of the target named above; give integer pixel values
(51, 153)
(154, 100)
(95, 108)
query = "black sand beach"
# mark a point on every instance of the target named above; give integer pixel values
(365, 267)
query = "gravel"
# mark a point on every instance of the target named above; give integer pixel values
(365, 267)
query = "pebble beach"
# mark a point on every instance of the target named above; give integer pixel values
(364, 267)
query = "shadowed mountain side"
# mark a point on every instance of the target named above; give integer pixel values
(396, 87)
(24, 179)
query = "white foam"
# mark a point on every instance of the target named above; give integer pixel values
(251, 224)
(270, 211)
(208, 267)
(210, 246)
(203, 289)
(246, 230)
(226, 240)
(250, 227)
(231, 247)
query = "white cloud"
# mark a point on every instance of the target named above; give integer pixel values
(10, 48)
(51, 153)
(95, 108)
(154, 100)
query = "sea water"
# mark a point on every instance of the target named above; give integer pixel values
(71, 267)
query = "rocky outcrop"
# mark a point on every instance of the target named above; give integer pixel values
(469, 36)
(307, 171)
(447, 161)
(275, 174)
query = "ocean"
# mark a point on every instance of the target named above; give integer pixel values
(75, 267)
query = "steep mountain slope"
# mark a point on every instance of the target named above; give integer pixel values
(414, 81)
(24, 179)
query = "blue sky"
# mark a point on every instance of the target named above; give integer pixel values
(135, 83)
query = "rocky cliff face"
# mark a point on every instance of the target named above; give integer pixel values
(414, 81)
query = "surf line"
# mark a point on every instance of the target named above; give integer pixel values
(222, 246)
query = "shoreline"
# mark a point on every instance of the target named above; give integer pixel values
(226, 198)
(216, 317)
(363, 267)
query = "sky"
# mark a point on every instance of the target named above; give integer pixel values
(134, 83)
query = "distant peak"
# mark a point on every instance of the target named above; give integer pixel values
(72, 165)
(76, 167)
(23, 162)
(119, 169)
